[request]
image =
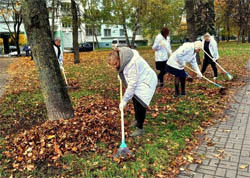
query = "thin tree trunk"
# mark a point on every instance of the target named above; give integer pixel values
(248, 34)
(35, 17)
(75, 32)
(228, 29)
(243, 40)
(96, 39)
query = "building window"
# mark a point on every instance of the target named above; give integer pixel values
(107, 32)
(89, 31)
(67, 24)
(65, 7)
(139, 32)
(122, 32)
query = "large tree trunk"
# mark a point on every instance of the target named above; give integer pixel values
(53, 19)
(191, 28)
(75, 32)
(191, 31)
(35, 16)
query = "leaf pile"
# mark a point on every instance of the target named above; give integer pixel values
(54, 139)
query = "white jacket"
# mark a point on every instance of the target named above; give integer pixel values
(60, 59)
(161, 47)
(141, 79)
(212, 48)
(184, 54)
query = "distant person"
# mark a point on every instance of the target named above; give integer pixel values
(27, 50)
(162, 50)
(58, 51)
(210, 46)
(139, 79)
(177, 62)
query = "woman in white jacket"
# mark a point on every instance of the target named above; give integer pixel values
(139, 79)
(58, 51)
(162, 48)
(210, 46)
(176, 63)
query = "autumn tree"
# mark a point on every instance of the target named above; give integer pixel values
(36, 21)
(75, 25)
(11, 14)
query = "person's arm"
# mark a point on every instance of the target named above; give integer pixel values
(132, 80)
(156, 44)
(60, 60)
(195, 66)
(215, 48)
(167, 46)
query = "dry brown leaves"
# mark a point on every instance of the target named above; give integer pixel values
(54, 139)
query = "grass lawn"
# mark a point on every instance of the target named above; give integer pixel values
(171, 127)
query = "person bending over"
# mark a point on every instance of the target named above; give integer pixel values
(177, 61)
(139, 79)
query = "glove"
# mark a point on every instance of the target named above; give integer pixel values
(118, 76)
(122, 105)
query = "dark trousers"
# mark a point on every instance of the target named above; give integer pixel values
(140, 113)
(206, 63)
(161, 65)
(179, 80)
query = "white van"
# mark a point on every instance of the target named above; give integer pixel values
(119, 43)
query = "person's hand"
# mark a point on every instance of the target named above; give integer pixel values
(118, 76)
(122, 105)
(199, 76)
(62, 68)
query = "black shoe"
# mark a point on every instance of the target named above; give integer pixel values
(176, 95)
(183, 93)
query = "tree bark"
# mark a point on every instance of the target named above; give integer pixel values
(35, 16)
(191, 31)
(75, 31)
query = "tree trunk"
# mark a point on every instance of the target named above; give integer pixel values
(243, 36)
(248, 35)
(191, 31)
(35, 16)
(53, 19)
(96, 39)
(75, 32)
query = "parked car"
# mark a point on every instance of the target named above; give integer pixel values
(119, 43)
(83, 47)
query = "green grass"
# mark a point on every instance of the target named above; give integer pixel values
(165, 134)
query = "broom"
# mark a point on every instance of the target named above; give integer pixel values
(123, 151)
(222, 89)
(230, 77)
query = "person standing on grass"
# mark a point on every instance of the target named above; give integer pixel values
(177, 61)
(210, 46)
(58, 51)
(139, 79)
(162, 48)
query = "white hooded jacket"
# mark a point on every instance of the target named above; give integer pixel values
(184, 54)
(60, 58)
(212, 48)
(162, 48)
(141, 80)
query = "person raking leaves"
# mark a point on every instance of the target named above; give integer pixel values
(210, 46)
(177, 62)
(139, 79)
(59, 55)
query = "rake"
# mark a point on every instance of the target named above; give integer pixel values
(230, 77)
(64, 76)
(222, 88)
(123, 150)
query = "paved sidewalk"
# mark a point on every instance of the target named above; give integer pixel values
(4, 63)
(230, 156)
